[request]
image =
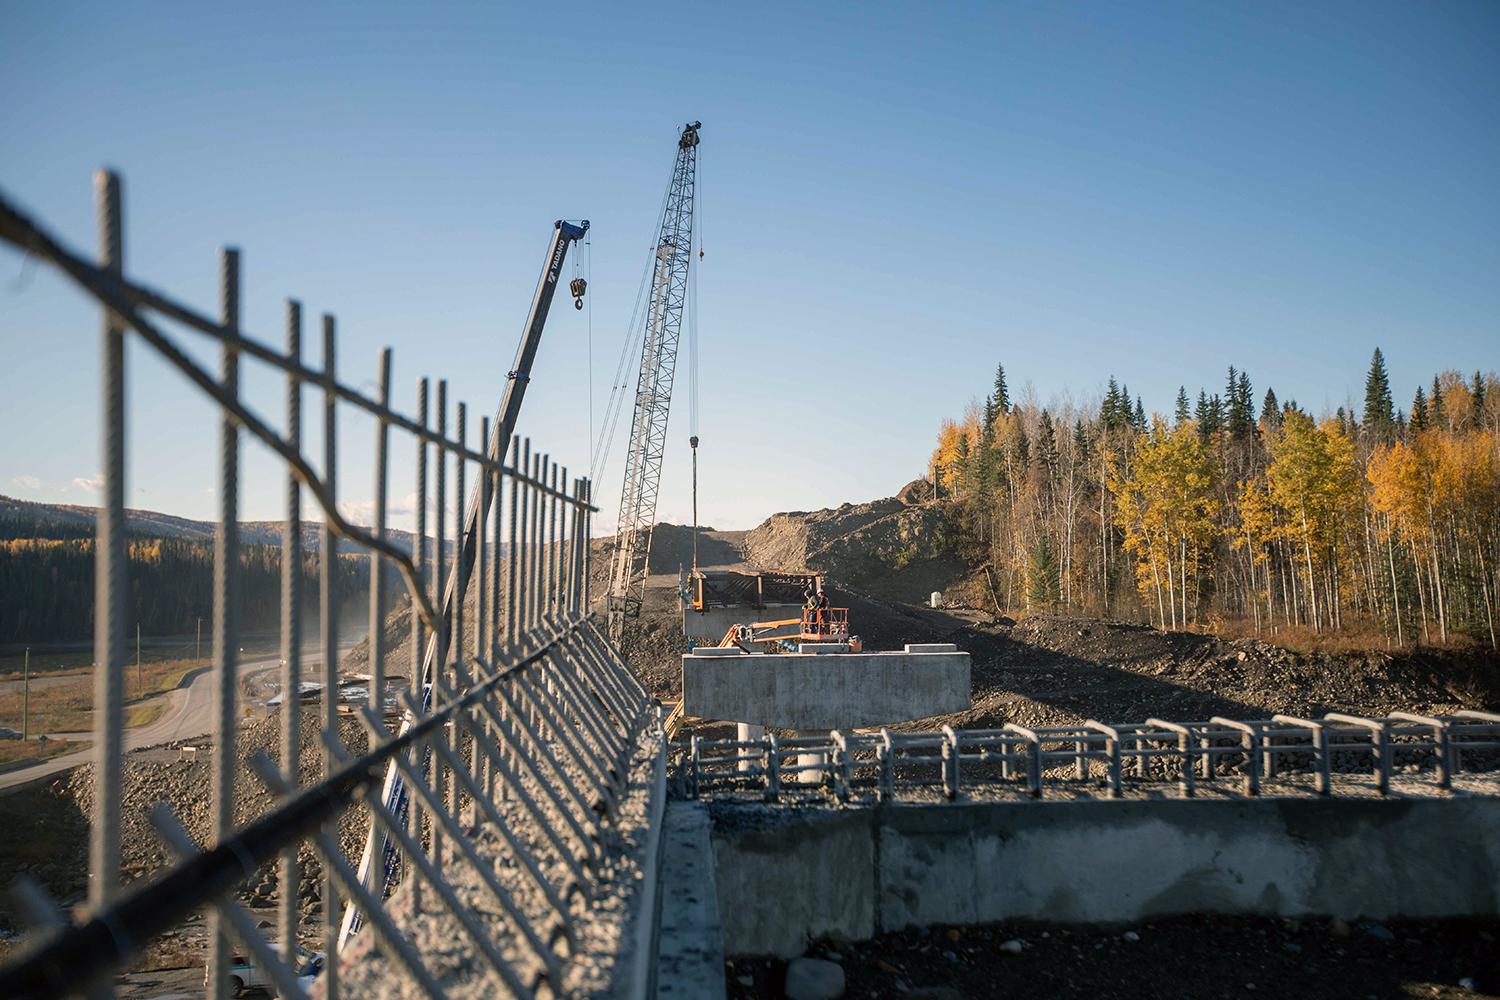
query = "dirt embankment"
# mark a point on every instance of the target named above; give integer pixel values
(892, 548)
(1060, 671)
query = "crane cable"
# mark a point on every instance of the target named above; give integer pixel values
(635, 333)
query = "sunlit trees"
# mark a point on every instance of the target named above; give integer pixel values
(1383, 517)
(1167, 508)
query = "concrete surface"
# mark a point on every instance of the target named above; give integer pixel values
(690, 942)
(824, 691)
(711, 624)
(787, 875)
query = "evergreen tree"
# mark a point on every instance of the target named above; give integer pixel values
(1419, 410)
(1046, 444)
(1436, 415)
(1210, 414)
(1379, 406)
(1002, 394)
(1244, 407)
(1043, 585)
(1115, 412)
(1476, 390)
(1270, 412)
(1183, 412)
(1237, 416)
(1140, 416)
(1080, 443)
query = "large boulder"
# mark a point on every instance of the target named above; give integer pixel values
(813, 979)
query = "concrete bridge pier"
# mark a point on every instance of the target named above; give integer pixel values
(746, 732)
(815, 759)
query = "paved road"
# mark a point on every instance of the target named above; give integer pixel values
(188, 715)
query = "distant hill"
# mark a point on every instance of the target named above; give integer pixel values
(47, 571)
(28, 519)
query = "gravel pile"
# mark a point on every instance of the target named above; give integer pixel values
(153, 776)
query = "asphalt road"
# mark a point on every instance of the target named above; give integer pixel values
(188, 715)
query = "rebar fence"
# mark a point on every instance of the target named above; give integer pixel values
(495, 804)
(884, 765)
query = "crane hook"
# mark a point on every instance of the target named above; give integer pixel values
(577, 287)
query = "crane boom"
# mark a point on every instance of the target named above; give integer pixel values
(653, 393)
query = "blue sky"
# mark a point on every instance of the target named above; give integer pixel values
(894, 199)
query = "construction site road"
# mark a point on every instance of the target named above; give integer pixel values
(187, 715)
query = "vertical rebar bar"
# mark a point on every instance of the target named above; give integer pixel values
(439, 556)
(110, 569)
(533, 582)
(291, 625)
(588, 534)
(481, 580)
(461, 581)
(377, 561)
(512, 560)
(549, 522)
(328, 628)
(418, 632)
(226, 603)
(460, 589)
(524, 553)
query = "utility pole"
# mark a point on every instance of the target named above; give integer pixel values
(26, 697)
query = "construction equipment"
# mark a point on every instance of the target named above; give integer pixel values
(672, 257)
(815, 625)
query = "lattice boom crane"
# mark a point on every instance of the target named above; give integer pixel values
(653, 393)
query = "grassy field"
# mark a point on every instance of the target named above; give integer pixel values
(34, 750)
(78, 657)
(65, 704)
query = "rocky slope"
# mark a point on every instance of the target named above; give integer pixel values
(891, 548)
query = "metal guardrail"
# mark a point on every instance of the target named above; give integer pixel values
(886, 765)
(527, 730)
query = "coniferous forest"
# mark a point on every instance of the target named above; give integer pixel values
(1239, 507)
(48, 584)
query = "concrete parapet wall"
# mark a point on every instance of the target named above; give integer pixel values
(787, 875)
(823, 691)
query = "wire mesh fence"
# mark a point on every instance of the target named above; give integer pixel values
(492, 792)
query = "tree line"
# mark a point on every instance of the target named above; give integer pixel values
(1225, 510)
(48, 585)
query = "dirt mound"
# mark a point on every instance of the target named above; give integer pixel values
(890, 548)
(918, 491)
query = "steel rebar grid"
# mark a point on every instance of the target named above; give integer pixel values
(563, 706)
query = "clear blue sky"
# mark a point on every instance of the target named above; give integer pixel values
(895, 198)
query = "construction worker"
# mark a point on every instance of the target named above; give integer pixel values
(822, 607)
